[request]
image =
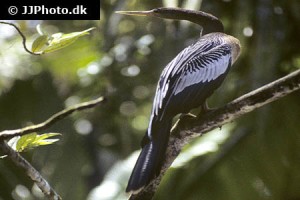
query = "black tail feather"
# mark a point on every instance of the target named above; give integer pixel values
(150, 160)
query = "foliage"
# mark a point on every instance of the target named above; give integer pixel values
(258, 158)
(32, 140)
(47, 44)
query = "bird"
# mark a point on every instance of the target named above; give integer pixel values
(184, 84)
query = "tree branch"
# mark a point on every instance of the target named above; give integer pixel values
(186, 129)
(7, 134)
(30, 171)
(22, 162)
(23, 37)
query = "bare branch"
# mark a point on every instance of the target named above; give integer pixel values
(30, 171)
(187, 128)
(7, 134)
(23, 37)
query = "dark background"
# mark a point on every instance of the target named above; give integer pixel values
(44, 10)
(254, 157)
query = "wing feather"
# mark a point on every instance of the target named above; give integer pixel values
(214, 63)
(198, 63)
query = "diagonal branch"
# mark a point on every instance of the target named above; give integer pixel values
(30, 171)
(187, 128)
(7, 134)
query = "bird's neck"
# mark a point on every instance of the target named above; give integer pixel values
(208, 22)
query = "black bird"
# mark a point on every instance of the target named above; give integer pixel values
(185, 83)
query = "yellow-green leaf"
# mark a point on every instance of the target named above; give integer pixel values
(39, 43)
(46, 135)
(59, 40)
(34, 140)
(25, 141)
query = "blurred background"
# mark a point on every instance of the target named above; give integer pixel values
(254, 157)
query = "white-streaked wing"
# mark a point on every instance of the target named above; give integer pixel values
(202, 62)
(173, 69)
(204, 68)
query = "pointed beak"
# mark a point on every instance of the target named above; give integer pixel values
(136, 13)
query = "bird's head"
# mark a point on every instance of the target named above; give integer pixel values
(209, 22)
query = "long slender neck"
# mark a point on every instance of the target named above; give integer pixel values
(209, 22)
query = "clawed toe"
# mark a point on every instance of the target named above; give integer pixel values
(186, 116)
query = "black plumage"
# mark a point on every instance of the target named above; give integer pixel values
(185, 83)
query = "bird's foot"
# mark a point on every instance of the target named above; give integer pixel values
(185, 119)
(186, 116)
(204, 109)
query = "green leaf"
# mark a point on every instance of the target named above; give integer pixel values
(39, 43)
(47, 135)
(60, 40)
(34, 140)
(25, 141)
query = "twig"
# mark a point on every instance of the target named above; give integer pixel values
(23, 37)
(30, 171)
(7, 134)
(187, 129)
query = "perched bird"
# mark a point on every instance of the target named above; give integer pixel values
(185, 83)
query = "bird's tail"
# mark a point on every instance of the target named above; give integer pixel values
(150, 160)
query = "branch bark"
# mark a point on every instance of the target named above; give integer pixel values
(186, 129)
(30, 171)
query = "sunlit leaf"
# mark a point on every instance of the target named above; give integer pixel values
(34, 140)
(59, 40)
(47, 135)
(25, 141)
(39, 43)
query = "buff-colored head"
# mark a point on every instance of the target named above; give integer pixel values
(235, 46)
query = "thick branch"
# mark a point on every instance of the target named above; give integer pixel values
(7, 134)
(30, 171)
(187, 129)
(22, 35)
